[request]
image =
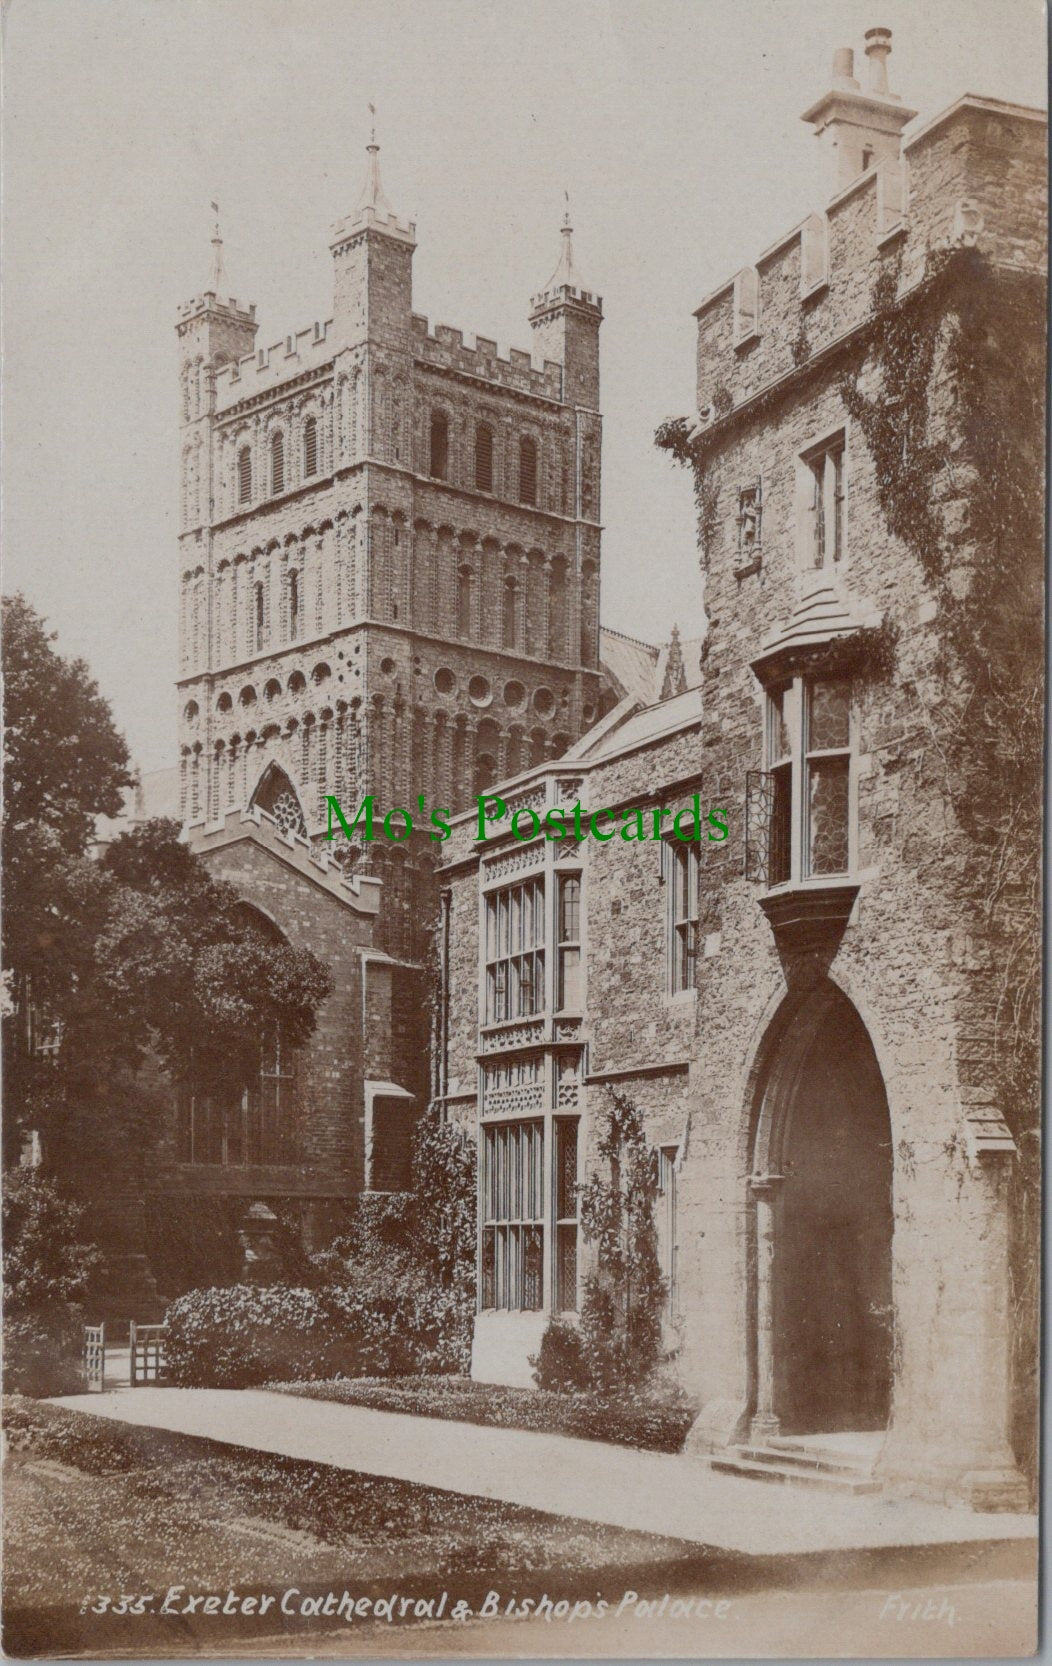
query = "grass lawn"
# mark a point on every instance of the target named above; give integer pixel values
(97, 1508)
(655, 1424)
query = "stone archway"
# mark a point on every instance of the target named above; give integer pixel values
(822, 1191)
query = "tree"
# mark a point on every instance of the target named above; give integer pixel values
(64, 761)
(46, 1269)
(165, 966)
(65, 764)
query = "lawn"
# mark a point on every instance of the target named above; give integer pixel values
(657, 1424)
(97, 1508)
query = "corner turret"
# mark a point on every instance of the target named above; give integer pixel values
(373, 254)
(565, 317)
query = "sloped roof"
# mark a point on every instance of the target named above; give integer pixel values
(630, 725)
(630, 664)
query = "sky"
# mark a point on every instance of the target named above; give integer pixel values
(673, 124)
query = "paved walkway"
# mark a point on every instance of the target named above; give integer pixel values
(643, 1491)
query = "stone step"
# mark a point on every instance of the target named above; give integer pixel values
(786, 1451)
(772, 1468)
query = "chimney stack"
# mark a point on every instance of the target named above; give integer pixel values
(862, 127)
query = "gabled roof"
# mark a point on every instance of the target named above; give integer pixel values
(630, 664)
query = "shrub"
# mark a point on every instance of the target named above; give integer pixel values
(561, 1363)
(247, 1334)
(46, 1269)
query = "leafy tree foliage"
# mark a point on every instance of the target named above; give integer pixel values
(125, 963)
(46, 1268)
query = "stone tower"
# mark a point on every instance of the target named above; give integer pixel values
(390, 551)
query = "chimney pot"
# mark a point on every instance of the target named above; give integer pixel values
(878, 48)
(844, 65)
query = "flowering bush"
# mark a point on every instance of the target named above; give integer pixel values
(246, 1334)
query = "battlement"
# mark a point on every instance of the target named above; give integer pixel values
(445, 348)
(209, 301)
(372, 218)
(269, 367)
(972, 177)
(566, 295)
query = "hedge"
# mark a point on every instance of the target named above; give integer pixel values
(244, 1334)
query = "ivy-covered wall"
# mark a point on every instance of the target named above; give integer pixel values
(927, 349)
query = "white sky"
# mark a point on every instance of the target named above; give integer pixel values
(673, 123)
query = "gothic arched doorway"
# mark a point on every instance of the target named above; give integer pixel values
(822, 1185)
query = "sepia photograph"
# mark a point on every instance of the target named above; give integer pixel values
(522, 837)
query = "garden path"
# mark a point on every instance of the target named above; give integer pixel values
(654, 1492)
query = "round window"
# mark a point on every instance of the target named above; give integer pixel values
(445, 681)
(514, 693)
(544, 702)
(387, 665)
(479, 691)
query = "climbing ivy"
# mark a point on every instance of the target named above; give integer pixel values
(949, 396)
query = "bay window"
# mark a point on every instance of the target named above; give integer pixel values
(513, 1216)
(515, 952)
(566, 1214)
(568, 994)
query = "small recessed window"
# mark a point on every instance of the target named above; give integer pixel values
(294, 605)
(527, 470)
(825, 466)
(681, 864)
(484, 458)
(438, 465)
(310, 447)
(277, 464)
(244, 475)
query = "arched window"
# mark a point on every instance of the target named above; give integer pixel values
(485, 772)
(261, 613)
(244, 475)
(509, 631)
(527, 470)
(464, 599)
(277, 463)
(310, 447)
(557, 644)
(438, 466)
(294, 605)
(483, 458)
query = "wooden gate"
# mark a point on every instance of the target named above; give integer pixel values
(147, 1354)
(95, 1358)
